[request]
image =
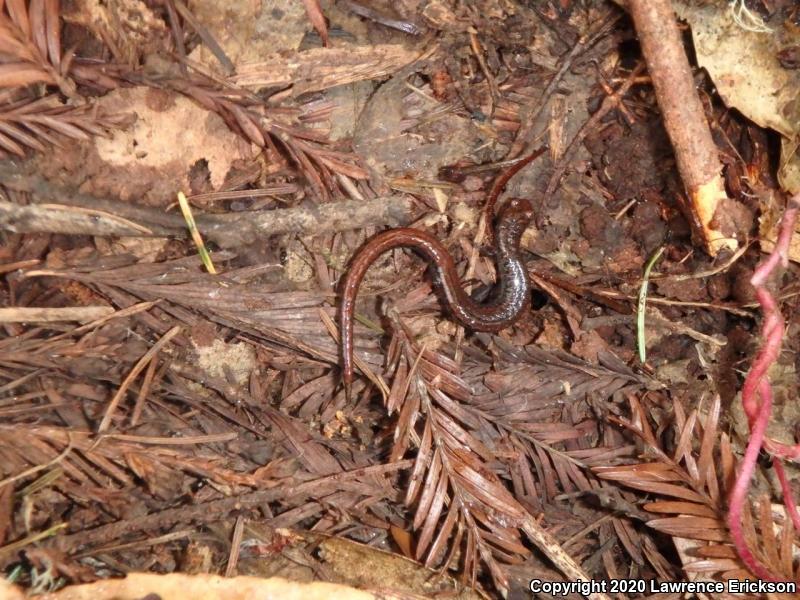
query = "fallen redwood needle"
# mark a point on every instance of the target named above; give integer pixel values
(641, 304)
(196, 237)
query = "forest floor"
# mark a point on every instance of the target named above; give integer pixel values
(168, 406)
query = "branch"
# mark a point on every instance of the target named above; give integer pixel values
(30, 314)
(227, 230)
(684, 119)
(80, 214)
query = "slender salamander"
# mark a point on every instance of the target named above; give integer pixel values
(509, 300)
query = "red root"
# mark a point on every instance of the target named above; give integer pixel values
(756, 385)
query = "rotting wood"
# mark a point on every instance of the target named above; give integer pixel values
(321, 68)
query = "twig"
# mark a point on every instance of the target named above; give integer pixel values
(30, 314)
(214, 509)
(684, 119)
(657, 319)
(207, 38)
(177, 33)
(37, 468)
(528, 131)
(571, 313)
(706, 273)
(55, 218)
(10, 549)
(120, 314)
(329, 217)
(667, 302)
(236, 544)
(212, 438)
(228, 231)
(494, 92)
(609, 102)
(314, 14)
(145, 543)
(12, 176)
(553, 550)
(144, 392)
(138, 367)
(18, 265)
(374, 15)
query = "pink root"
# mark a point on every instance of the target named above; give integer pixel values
(756, 386)
(740, 488)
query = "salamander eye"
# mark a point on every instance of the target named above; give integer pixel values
(520, 205)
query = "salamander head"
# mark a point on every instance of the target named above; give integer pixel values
(520, 208)
(514, 217)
